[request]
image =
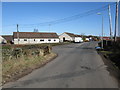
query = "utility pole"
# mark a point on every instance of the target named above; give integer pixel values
(116, 22)
(17, 33)
(110, 22)
(49, 39)
(49, 31)
(102, 31)
(49, 27)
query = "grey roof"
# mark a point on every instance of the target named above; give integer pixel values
(8, 37)
(72, 35)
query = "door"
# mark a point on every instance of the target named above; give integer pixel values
(63, 39)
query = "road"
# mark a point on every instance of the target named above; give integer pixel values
(77, 66)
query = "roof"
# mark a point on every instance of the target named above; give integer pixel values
(72, 35)
(78, 36)
(8, 37)
(106, 38)
(35, 35)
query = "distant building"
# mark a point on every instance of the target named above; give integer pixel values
(87, 38)
(78, 38)
(2, 40)
(106, 38)
(69, 37)
(66, 37)
(8, 38)
(35, 37)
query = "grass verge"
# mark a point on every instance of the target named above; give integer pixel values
(111, 65)
(14, 69)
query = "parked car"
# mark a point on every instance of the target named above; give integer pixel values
(78, 39)
(98, 48)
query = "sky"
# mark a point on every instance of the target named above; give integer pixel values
(26, 13)
(119, 20)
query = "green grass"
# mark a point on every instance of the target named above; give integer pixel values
(107, 52)
(6, 47)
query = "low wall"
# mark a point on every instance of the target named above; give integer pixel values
(24, 51)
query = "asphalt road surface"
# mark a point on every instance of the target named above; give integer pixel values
(77, 66)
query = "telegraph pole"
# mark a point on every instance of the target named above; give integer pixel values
(102, 31)
(49, 39)
(17, 33)
(49, 27)
(110, 21)
(116, 22)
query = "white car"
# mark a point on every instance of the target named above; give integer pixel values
(78, 39)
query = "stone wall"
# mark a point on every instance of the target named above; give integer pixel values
(24, 51)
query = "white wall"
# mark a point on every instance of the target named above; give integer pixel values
(67, 37)
(37, 41)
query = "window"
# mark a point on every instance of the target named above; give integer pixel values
(34, 39)
(54, 40)
(42, 40)
(25, 39)
(49, 39)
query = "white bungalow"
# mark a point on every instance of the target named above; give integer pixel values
(70, 37)
(66, 37)
(34, 37)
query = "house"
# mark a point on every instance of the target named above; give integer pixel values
(66, 37)
(69, 37)
(34, 37)
(2, 40)
(8, 38)
(106, 38)
(87, 38)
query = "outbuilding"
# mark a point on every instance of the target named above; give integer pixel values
(66, 37)
(70, 37)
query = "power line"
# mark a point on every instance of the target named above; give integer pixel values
(67, 19)
(71, 18)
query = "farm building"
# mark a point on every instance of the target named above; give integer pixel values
(106, 38)
(34, 37)
(69, 37)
